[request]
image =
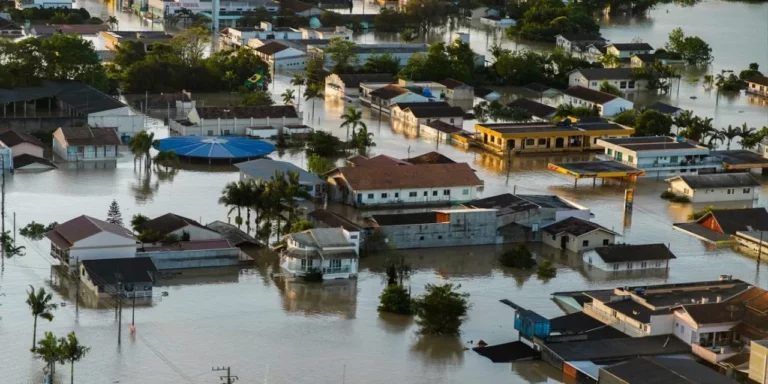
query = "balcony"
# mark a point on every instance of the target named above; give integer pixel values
(713, 355)
(688, 164)
(628, 329)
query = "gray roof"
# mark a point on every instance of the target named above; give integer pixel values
(661, 370)
(719, 180)
(640, 252)
(234, 235)
(321, 238)
(265, 168)
(81, 97)
(619, 348)
(664, 108)
(605, 73)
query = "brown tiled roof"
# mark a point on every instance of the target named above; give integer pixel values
(376, 161)
(389, 91)
(271, 48)
(417, 176)
(67, 234)
(430, 158)
(271, 111)
(78, 136)
(451, 83)
(758, 79)
(587, 94)
(15, 137)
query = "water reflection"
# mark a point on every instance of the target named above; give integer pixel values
(436, 350)
(393, 323)
(536, 371)
(330, 297)
(183, 277)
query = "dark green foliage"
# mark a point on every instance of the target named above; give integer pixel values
(680, 199)
(324, 144)
(455, 60)
(36, 231)
(667, 195)
(254, 19)
(566, 110)
(314, 275)
(520, 257)
(545, 19)
(627, 118)
(441, 309)
(395, 299)
(546, 270)
(653, 123)
(692, 49)
(753, 70)
(384, 63)
(185, 236)
(49, 15)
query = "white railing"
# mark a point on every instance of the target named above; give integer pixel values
(625, 327)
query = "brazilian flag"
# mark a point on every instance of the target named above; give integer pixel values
(257, 78)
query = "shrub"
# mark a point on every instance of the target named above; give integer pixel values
(314, 275)
(680, 199)
(546, 270)
(519, 257)
(441, 310)
(395, 299)
(668, 195)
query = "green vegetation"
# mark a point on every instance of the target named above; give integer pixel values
(113, 214)
(419, 15)
(693, 216)
(726, 81)
(10, 247)
(395, 299)
(343, 55)
(441, 309)
(692, 49)
(546, 270)
(522, 67)
(52, 15)
(41, 305)
(317, 164)
(62, 350)
(520, 258)
(680, 199)
(36, 231)
(657, 75)
(653, 123)
(455, 60)
(607, 87)
(300, 225)
(753, 70)
(667, 195)
(140, 145)
(568, 110)
(496, 111)
(545, 19)
(324, 144)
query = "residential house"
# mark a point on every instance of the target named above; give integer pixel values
(643, 59)
(577, 235)
(400, 51)
(280, 56)
(27, 151)
(627, 50)
(87, 238)
(265, 170)
(430, 158)
(223, 121)
(24, 4)
(445, 132)
(532, 211)
(326, 33)
(719, 225)
(239, 36)
(498, 22)
(424, 184)
(385, 97)
(347, 86)
(660, 156)
(593, 78)
(487, 94)
(376, 161)
(539, 111)
(606, 104)
(129, 277)
(86, 143)
(541, 90)
(234, 235)
(456, 90)
(757, 85)
(300, 8)
(665, 108)
(9, 29)
(625, 257)
(113, 39)
(323, 218)
(668, 370)
(577, 43)
(211, 253)
(172, 224)
(333, 252)
(716, 187)
(477, 13)
(417, 114)
(439, 228)
(506, 138)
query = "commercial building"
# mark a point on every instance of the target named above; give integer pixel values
(606, 104)
(425, 184)
(24, 4)
(593, 78)
(265, 169)
(625, 257)
(533, 211)
(280, 56)
(332, 252)
(86, 143)
(347, 86)
(439, 228)
(87, 238)
(716, 187)
(224, 121)
(129, 277)
(239, 36)
(667, 370)
(506, 138)
(661, 156)
(577, 235)
(326, 33)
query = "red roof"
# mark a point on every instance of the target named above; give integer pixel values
(65, 235)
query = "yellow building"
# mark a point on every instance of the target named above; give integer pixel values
(534, 137)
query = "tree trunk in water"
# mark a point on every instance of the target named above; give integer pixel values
(72, 373)
(34, 333)
(248, 221)
(239, 218)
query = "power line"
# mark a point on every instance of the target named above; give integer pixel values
(230, 379)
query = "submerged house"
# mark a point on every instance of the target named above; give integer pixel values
(625, 257)
(129, 277)
(716, 187)
(719, 225)
(180, 226)
(577, 235)
(88, 238)
(332, 252)
(86, 143)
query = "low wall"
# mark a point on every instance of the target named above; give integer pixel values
(193, 259)
(32, 124)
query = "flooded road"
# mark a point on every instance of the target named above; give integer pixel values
(290, 332)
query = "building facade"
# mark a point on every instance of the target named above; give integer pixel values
(660, 156)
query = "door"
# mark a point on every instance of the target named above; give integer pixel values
(559, 142)
(511, 144)
(549, 141)
(359, 198)
(563, 241)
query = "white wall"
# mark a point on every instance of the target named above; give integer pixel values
(575, 244)
(124, 119)
(197, 233)
(704, 195)
(616, 106)
(591, 257)
(104, 245)
(625, 85)
(432, 194)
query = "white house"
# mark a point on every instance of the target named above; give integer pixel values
(27, 150)
(347, 86)
(326, 33)
(9, 29)
(660, 156)
(716, 187)
(280, 56)
(593, 78)
(334, 252)
(180, 226)
(577, 235)
(134, 277)
(86, 143)
(498, 22)
(386, 96)
(239, 36)
(264, 169)
(218, 121)
(87, 238)
(627, 50)
(24, 4)
(424, 113)
(624, 257)
(758, 85)
(456, 90)
(605, 103)
(405, 185)
(578, 43)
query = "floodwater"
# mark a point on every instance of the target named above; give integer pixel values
(277, 331)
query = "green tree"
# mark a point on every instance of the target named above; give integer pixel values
(40, 303)
(363, 140)
(753, 70)
(395, 299)
(352, 118)
(166, 159)
(113, 214)
(137, 222)
(324, 144)
(343, 54)
(546, 270)
(300, 225)
(297, 81)
(745, 132)
(232, 196)
(520, 257)
(653, 123)
(729, 134)
(408, 35)
(190, 44)
(11, 249)
(627, 118)
(72, 351)
(49, 350)
(129, 52)
(606, 87)
(691, 48)
(33, 230)
(610, 60)
(288, 97)
(428, 14)
(383, 63)
(317, 164)
(313, 92)
(141, 144)
(113, 22)
(441, 309)
(255, 99)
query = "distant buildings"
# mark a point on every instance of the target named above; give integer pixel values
(578, 43)
(347, 86)
(180, 227)
(716, 187)
(113, 39)
(757, 85)
(218, 121)
(332, 253)
(593, 78)
(24, 4)
(384, 96)
(280, 56)
(532, 211)
(86, 143)
(239, 36)
(418, 114)
(400, 51)
(264, 170)
(605, 103)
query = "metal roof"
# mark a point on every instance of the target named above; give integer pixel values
(216, 147)
(265, 169)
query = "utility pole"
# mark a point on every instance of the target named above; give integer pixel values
(2, 211)
(120, 308)
(230, 379)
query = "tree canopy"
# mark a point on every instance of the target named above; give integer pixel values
(691, 48)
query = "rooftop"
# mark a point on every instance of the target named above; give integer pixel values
(646, 57)
(718, 180)
(758, 79)
(664, 108)
(631, 46)
(334, 220)
(582, 37)
(130, 270)
(538, 88)
(168, 223)
(271, 48)
(406, 218)
(614, 349)
(427, 111)
(13, 137)
(376, 161)
(634, 310)
(599, 74)
(660, 370)
(389, 91)
(575, 226)
(234, 235)
(591, 95)
(80, 97)
(353, 80)
(322, 238)
(21, 161)
(82, 227)
(653, 143)
(519, 203)
(640, 252)
(452, 83)
(716, 313)
(744, 219)
(740, 159)
(417, 176)
(667, 295)
(193, 245)
(431, 104)
(592, 168)
(534, 108)
(444, 127)
(265, 169)
(430, 158)
(261, 112)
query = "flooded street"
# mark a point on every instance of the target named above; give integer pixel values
(278, 332)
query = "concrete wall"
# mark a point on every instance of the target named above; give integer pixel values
(708, 195)
(593, 258)
(193, 259)
(758, 362)
(103, 245)
(464, 228)
(575, 244)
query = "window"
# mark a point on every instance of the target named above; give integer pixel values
(623, 85)
(629, 266)
(370, 195)
(426, 193)
(465, 192)
(644, 264)
(542, 141)
(730, 191)
(630, 158)
(451, 120)
(446, 192)
(673, 159)
(434, 193)
(439, 237)
(353, 237)
(412, 194)
(590, 259)
(605, 242)
(746, 190)
(585, 243)
(421, 237)
(616, 267)
(683, 170)
(610, 151)
(530, 142)
(383, 195)
(594, 83)
(397, 194)
(631, 84)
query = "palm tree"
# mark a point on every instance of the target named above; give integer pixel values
(352, 118)
(231, 197)
(291, 191)
(288, 97)
(364, 140)
(141, 144)
(113, 22)
(408, 35)
(255, 202)
(313, 92)
(49, 351)
(166, 159)
(745, 132)
(72, 351)
(683, 120)
(297, 81)
(713, 137)
(40, 304)
(11, 249)
(729, 134)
